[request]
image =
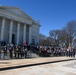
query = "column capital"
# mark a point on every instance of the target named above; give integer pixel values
(11, 20)
(3, 17)
(25, 24)
(18, 22)
(30, 25)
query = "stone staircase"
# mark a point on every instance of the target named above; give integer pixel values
(32, 55)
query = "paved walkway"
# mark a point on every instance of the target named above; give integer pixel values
(19, 62)
(60, 68)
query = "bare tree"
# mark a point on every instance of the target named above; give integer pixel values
(62, 37)
(54, 34)
(71, 31)
(65, 36)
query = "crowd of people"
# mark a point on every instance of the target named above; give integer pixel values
(11, 51)
(56, 51)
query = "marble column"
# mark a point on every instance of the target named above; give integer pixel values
(10, 32)
(38, 36)
(24, 33)
(2, 29)
(18, 32)
(30, 37)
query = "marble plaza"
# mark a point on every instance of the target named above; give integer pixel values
(57, 68)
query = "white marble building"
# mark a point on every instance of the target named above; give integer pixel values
(17, 27)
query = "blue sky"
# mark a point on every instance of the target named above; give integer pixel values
(53, 14)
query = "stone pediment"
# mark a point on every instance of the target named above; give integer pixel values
(16, 11)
